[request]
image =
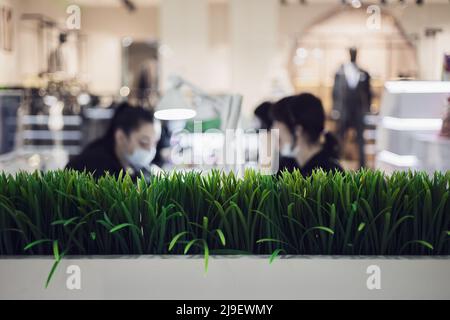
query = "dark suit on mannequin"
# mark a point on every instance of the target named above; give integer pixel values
(352, 98)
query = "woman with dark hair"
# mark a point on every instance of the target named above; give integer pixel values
(129, 144)
(262, 115)
(304, 145)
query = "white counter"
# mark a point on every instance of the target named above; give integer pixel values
(410, 119)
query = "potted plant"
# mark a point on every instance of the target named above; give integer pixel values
(333, 231)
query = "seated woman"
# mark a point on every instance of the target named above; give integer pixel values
(304, 145)
(129, 145)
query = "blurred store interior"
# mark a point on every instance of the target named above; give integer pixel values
(66, 65)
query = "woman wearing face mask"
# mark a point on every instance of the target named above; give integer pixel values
(304, 145)
(129, 145)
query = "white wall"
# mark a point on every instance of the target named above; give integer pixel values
(227, 46)
(294, 19)
(415, 20)
(184, 35)
(9, 60)
(31, 58)
(254, 41)
(259, 35)
(105, 28)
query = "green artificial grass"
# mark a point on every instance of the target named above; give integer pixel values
(355, 213)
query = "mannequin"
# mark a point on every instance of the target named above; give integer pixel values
(352, 98)
(57, 58)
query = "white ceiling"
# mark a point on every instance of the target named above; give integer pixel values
(146, 3)
(118, 3)
(113, 3)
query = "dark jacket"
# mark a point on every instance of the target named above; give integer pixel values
(351, 103)
(98, 158)
(321, 160)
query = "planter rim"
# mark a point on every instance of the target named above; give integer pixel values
(227, 257)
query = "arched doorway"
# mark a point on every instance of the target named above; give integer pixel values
(385, 52)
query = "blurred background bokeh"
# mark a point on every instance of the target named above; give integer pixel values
(64, 65)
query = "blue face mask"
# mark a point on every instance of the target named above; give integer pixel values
(141, 158)
(289, 151)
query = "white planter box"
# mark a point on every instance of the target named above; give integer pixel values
(235, 277)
